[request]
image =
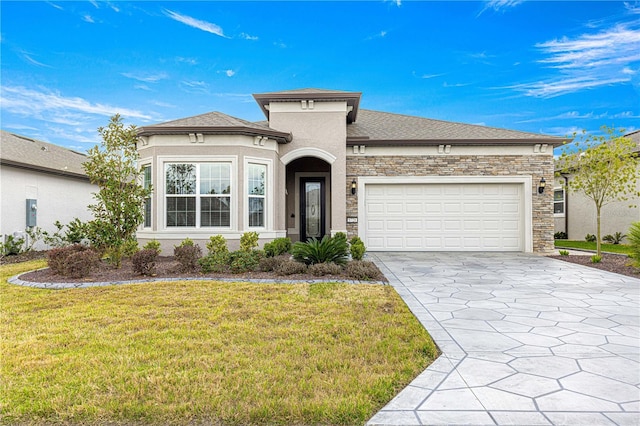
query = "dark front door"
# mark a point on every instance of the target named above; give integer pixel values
(312, 208)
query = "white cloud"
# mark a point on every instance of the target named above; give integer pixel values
(499, 5)
(27, 57)
(55, 5)
(230, 73)
(195, 23)
(52, 106)
(248, 37)
(190, 61)
(88, 18)
(147, 78)
(192, 86)
(587, 61)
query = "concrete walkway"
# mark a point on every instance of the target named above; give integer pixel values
(525, 340)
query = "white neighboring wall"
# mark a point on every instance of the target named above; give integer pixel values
(58, 198)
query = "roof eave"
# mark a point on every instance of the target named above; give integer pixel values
(358, 140)
(352, 99)
(280, 137)
(46, 170)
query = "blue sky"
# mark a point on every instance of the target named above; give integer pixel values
(537, 66)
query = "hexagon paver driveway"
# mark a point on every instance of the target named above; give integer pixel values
(525, 340)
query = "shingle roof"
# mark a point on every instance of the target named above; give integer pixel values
(213, 123)
(21, 151)
(388, 127)
(634, 136)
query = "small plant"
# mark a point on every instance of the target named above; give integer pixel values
(634, 243)
(615, 238)
(12, 245)
(130, 247)
(561, 235)
(363, 270)
(76, 232)
(277, 247)
(269, 264)
(590, 238)
(34, 234)
(152, 245)
(249, 241)
(564, 252)
(217, 245)
(187, 255)
(245, 261)
(357, 248)
(321, 269)
(144, 261)
(291, 267)
(596, 259)
(321, 251)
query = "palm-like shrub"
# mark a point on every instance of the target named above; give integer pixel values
(634, 243)
(321, 251)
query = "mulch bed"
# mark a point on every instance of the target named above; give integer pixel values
(166, 267)
(619, 264)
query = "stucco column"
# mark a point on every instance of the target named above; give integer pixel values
(339, 195)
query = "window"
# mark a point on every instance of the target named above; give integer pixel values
(256, 179)
(558, 201)
(198, 195)
(146, 183)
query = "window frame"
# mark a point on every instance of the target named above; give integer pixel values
(267, 196)
(149, 200)
(198, 161)
(563, 201)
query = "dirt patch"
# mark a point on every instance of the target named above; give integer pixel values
(610, 262)
(167, 267)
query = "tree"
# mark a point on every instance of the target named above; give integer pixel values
(120, 200)
(603, 168)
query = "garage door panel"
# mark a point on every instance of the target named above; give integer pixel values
(444, 217)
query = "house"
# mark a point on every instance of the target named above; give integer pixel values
(575, 214)
(320, 164)
(41, 183)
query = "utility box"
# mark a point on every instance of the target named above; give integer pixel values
(32, 213)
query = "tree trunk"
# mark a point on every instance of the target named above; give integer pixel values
(598, 246)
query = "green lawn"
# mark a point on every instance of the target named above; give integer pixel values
(583, 245)
(197, 352)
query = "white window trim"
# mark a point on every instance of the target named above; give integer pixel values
(564, 202)
(142, 166)
(162, 192)
(268, 196)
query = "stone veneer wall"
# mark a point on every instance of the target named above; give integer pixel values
(535, 166)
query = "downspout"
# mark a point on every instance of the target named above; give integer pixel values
(566, 204)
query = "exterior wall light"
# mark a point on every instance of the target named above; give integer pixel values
(353, 187)
(541, 186)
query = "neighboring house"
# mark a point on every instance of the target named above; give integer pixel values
(40, 183)
(321, 165)
(575, 214)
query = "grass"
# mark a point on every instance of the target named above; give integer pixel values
(204, 352)
(583, 245)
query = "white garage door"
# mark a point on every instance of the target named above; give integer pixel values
(447, 217)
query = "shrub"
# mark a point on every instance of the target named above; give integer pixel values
(144, 261)
(217, 245)
(277, 247)
(76, 231)
(564, 252)
(80, 263)
(269, 264)
(152, 245)
(130, 247)
(320, 269)
(634, 243)
(245, 261)
(66, 261)
(214, 262)
(561, 235)
(363, 270)
(249, 241)
(590, 238)
(321, 251)
(615, 238)
(357, 248)
(291, 267)
(187, 255)
(12, 245)
(596, 259)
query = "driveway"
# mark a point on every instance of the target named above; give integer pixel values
(525, 340)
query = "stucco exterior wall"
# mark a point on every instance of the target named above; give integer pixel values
(58, 198)
(536, 166)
